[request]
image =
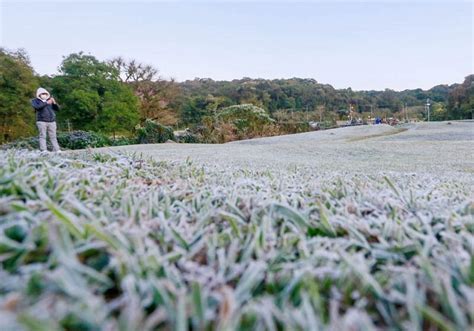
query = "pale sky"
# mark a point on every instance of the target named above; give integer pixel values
(363, 45)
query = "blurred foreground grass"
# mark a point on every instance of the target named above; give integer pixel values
(118, 242)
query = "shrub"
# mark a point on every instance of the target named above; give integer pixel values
(247, 119)
(228, 132)
(66, 140)
(82, 139)
(188, 138)
(207, 132)
(291, 128)
(153, 132)
(122, 141)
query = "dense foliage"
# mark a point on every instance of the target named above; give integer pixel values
(92, 97)
(247, 120)
(17, 83)
(158, 97)
(67, 140)
(187, 137)
(461, 100)
(152, 132)
(113, 97)
(306, 95)
(82, 139)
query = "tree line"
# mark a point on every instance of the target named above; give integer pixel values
(114, 97)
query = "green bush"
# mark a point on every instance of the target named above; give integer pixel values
(122, 141)
(153, 132)
(247, 119)
(66, 140)
(82, 139)
(187, 137)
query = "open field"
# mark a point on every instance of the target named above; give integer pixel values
(360, 228)
(435, 147)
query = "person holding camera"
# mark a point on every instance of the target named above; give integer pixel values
(45, 107)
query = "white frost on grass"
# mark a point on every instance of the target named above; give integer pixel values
(361, 149)
(109, 241)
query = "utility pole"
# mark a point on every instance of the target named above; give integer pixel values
(427, 108)
(406, 113)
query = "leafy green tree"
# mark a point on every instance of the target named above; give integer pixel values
(461, 100)
(93, 97)
(439, 112)
(116, 114)
(302, 95)
(194, 109)
(17, 85)
(81, 107)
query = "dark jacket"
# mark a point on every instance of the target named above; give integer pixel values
(44, 111)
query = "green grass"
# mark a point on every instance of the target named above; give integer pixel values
(117, 242)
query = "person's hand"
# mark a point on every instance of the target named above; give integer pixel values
(49, 102)
(53, 99)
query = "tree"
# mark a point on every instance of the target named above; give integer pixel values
(116, 114)
(461, 100)
(157, 96)
(93, 97)
(132, 71)
(194, 109)
(17, 85)
(439, 112)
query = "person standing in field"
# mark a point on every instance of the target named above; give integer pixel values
(45, 107)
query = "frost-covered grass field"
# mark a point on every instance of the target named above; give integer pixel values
(361, 228)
